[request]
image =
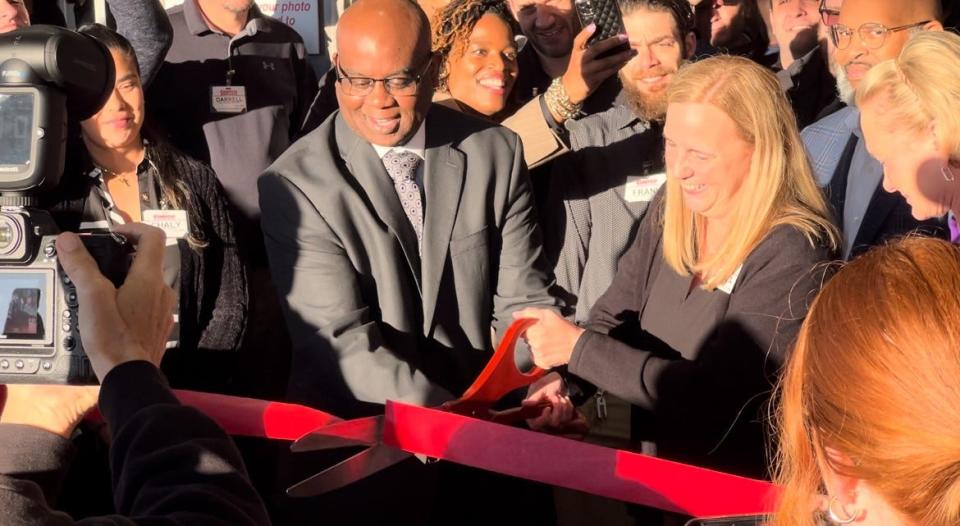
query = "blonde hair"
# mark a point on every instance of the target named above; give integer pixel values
(875, 376)
(779, 189)
(922, 86)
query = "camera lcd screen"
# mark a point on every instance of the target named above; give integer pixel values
(25, 307)
(16, 128)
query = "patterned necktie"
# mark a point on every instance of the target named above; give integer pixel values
(402, 168)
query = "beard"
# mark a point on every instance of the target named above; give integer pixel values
(845, 90)
(651, 107)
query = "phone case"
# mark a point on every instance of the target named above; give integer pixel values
(606, 15)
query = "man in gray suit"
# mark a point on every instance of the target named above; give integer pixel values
(398, 233)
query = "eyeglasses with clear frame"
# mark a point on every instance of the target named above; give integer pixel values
(400, 85)
(872, 34)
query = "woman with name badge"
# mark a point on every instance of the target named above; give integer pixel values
(118, 175)
(699, 318)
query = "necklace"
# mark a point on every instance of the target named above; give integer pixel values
(116, 175)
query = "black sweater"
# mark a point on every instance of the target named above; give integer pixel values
(704, 406)
(170, 463)
(213, 282)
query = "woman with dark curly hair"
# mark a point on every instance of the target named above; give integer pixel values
(474, 40)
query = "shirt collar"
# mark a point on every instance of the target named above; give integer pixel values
(416, 144)
(621, 116)
(852, 122)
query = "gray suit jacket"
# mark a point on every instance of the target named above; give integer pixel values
(370, 319)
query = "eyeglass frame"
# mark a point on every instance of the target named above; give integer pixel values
(825, 12)
(886, 30)
(415, 80)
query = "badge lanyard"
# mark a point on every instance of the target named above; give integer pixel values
(229, 98)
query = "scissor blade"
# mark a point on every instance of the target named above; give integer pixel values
(357, 467)
(359, 432)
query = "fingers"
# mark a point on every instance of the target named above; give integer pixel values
(542, 422)
(613, 63)
(602, 46)
(530, 312)
(150, 242)
(580, 41)
(79, 264)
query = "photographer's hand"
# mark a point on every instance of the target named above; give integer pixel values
(126, 324)
(54, 408)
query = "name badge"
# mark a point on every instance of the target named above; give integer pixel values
(728, 285)
(642, 188)
(228, 99)
(173, 222)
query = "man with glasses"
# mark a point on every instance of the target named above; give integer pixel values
(398, 232)
(865, 33)
(803, 69)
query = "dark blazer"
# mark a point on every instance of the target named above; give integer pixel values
(371, 319)
(703, 406)
(888, 215)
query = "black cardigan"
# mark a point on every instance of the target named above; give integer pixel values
(708, 410)
(213, 281)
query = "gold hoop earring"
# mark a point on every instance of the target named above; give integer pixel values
(834, 518)
(947, 173)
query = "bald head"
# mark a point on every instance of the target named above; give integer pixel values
(398, 24)
(896, 12)
(388, 42)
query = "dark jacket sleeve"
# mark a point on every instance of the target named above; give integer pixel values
(33, 464)
(145, 24)
(323, 104)
(170, 464)
(739, 358)
(223, 307)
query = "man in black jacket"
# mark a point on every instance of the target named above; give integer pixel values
(170, 463)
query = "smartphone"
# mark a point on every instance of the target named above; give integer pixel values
(606, 15)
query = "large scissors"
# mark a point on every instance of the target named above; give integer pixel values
(500, 377)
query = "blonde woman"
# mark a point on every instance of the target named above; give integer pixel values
(870, 403)
(910, 115)
(705, 304)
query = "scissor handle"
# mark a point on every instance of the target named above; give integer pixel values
(500, 376)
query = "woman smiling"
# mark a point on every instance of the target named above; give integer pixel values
(474, 40)
(700, 315)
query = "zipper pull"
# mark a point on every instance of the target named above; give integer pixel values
(601, 405)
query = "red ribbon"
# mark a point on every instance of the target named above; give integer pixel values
(251, 417)
(540, 457)
(558, 461)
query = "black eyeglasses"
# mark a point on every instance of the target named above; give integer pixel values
(400, 85)
(828, 15)
(872, 34)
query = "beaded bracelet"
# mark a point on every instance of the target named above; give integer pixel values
(559, 102)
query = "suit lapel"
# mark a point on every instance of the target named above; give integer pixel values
(443, 182)
(365, 165)
(882, 204)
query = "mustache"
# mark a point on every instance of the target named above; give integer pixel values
(658, 71)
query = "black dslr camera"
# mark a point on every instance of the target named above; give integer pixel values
(46, 74)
